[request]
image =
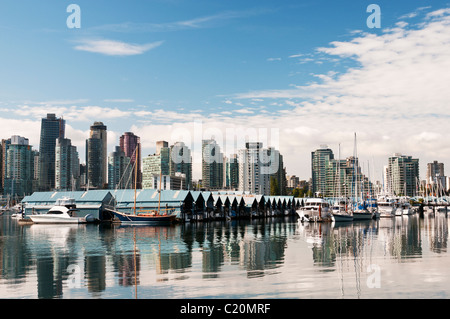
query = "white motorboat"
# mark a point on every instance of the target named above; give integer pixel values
(406, 208)
(315, 209)
(386, 207)
(340, 212)
(64, 212)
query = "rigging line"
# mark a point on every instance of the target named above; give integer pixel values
(123, 175)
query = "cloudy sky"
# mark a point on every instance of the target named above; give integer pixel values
(293, 74)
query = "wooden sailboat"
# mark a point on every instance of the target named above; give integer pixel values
(150, 218)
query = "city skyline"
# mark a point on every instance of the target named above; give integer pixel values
(315, 71)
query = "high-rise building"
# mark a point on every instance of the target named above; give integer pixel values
(403, 175)
(131, 145)
(232, 172)
(335, 177)
(159, 145)
(5, 143)
(67, 166)
(156, 164)
(435, 175)
(96, 156)
(277, 171)
(320, 160)
(181, 162)
(258, 166)
(51, 129)
(212, 165)
(166, 182)
(120, 172)
(19, 172)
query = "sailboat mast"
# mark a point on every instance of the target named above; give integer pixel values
(159, 199)
(135, 177)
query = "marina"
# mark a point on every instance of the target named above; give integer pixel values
(272, 257)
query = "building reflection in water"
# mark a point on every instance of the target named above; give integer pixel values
(122, 256)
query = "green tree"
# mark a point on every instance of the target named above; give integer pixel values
(274, 189)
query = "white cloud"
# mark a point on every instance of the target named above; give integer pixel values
(397, 88)
(115, 48)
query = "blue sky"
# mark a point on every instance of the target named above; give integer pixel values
(153, 67)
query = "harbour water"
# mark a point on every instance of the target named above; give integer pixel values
(401, 257)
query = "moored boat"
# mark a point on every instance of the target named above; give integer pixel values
(315, 209)
(152, 218)
(386, 207)
(64, 212)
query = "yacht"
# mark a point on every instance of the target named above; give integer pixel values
(315, 209)
(386, 207)
(64, 212)
(340, 212)
(405, 207)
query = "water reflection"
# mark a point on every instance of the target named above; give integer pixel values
(129, 262)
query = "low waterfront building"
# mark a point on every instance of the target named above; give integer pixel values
(92, 202)
(146, 200)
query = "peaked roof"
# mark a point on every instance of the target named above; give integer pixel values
(150, 195)
(78, 196)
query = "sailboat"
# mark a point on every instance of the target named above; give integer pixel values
(152, 217)
(339, 210)
(360, 211)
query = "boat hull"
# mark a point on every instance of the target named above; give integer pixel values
(362, 216)
(342, 217)
(129, 219)
(42, 219)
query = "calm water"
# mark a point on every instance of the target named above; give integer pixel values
(402, 257)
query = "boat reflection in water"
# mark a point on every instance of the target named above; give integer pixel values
(266, 258)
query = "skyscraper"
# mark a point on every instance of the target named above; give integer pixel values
(335, 177)
(250, 178)
(212, 165)
(131, 145)
(120, 173)
(156, 164)
(320, 160)
(51, 129)
(181, 162)
(232, 172)
(257, 165)
(67, 166)
(403, 174)
(275, 168)
(435, 174)
(19, 173)
(96, 156)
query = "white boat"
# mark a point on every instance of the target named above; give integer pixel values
(340, 212)
(64, 212)
(406, 208)
(341, 215)
(315, 209)
(398, 210)
(386, 206)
